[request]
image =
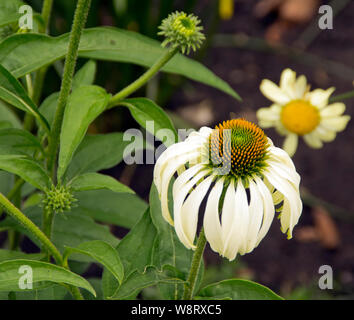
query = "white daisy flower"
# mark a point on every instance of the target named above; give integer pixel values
(245, 178)
(297, 111)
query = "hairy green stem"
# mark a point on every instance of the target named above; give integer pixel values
(343, 96)
(31, 227)
(195, 266)
(80, 17)
(143, 79)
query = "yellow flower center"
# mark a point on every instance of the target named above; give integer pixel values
(300, 117)
(239, 147)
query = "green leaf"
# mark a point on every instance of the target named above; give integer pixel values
(13, 255)
(85, 76)
(25, 53)
(238, 290)
(9, 11)
(120, 209)
(27, 169)
(168, 249)
(103, 253)
(97, 152)
(43, 273)
(95, 181)
(139, 280)
(52, 292)
(139, 241)
(85, 104)
(64, 234)
(143, 110)
(17, 141)
(6, 182)
(6, 114)
(13, 93)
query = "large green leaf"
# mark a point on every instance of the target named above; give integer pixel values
(25, 53)
(27, 169)
(52, 292)
(9, 11)
(95, 181)
(143, 110)
(85, 104)
(236, 289)
(139, 240)
(99, 152)
(121, 209)
(42, 272)
(6, 114)
(85, 76)
(17, 141)
(103, 253)
(13, 93)
(13, 255)
(6, 182)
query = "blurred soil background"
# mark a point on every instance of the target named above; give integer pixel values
(259, 40)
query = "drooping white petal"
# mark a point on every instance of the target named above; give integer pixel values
(291, 194)
(255, 216)
(313, 141)
(284, 171)
(280, 155)
(212, 227)
(190, 208)
(166, 177)
(333, 110)
(319, 97)
(273, 92)
(184, 177)
(290, 143)
(186, 224)
(268, 208)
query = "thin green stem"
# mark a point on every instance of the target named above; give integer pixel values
(80, 17)
(17, 186)
(195, 266)
(46, 11)
(143, 79)
(31, 227)
(343, 96)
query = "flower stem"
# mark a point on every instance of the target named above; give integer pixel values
(80, 17)
(195, 266)
(138, 83)
(340, 97)
(31, 227)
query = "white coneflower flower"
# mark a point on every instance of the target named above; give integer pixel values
(297, 111)
(247, 176)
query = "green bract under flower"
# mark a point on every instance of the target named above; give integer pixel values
(182, 31)
(58, 199)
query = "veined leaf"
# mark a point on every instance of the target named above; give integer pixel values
(6, 114)
(95, 181)
(103, 253)
(143, 110)
(24, 53)
(85, 76)
(27, 169)
(236, 289)
(42, 273)
(85, 104)
(13, 93)
(13, 255)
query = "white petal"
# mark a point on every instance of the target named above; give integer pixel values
(290, 143)
(273, 92)
(268, 208)
(212, 227)
(184, 177)
(280, 155)
(255, 216)
(319, 97)
(335, 124)
(167, 174)
(185, 221)
(291, 194)
(285, 172)
(324, 134)
(287, 82)
(281, 129)
(269, 114)
(333, 110)
(313, 141)
(300, 87)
